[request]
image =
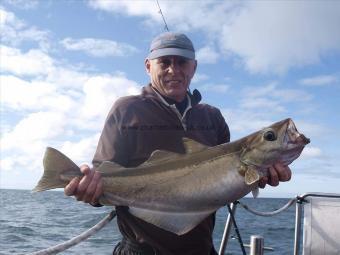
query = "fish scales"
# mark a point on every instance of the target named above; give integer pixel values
(173, 185)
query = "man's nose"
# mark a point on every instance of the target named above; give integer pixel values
(173, 67)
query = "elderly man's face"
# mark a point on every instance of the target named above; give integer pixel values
(171, 75)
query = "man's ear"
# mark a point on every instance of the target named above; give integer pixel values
(194, 71)
(147, 65)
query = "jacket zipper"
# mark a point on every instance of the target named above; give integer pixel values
(174, 109)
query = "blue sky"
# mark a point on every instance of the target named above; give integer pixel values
(64, 63)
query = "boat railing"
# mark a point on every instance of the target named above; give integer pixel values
(257, 247)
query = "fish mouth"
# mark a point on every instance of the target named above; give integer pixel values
(294, 143)
(293, 138)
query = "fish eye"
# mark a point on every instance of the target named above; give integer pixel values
(269, 136)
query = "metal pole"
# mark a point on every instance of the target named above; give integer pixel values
(298, 211)
(227, 230)
(256, 245)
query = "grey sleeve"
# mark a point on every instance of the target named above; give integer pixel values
(223, 129)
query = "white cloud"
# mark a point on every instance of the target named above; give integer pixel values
(33, 62)
(67, 77)
(15, 31)
(23, 4)
(21, 95)
(275, 92)
(314, 129)
(319, 80)
(6, 164)
(30, 133)
(101, 91)
(268, 36)
(81, 151)
(98, 47)
(241, 122)
(311, 152)
(8, 18)
(52, 103)
(256, 107)
(205, 15)
(217, 88)
(198, 77)
(273, 36)
(265, 104)
(134, 8)
(58, 119)
(207, 55)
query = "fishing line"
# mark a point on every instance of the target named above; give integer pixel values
(160, 11)
(236, 230)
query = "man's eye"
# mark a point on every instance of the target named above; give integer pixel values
(182, 61)
(165, 62)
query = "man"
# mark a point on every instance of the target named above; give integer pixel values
(159, 118)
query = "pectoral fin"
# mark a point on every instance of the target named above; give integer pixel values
(251, 176)
(255, 192)
(175, 222)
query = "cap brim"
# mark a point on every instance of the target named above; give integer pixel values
(171, 52)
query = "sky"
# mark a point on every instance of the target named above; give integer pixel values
(64, 63)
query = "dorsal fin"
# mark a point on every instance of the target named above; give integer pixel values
(159, 155)
(192, 146)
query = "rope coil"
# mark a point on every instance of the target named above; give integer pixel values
(75, 240)
(269, 214)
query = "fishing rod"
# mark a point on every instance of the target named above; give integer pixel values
(161, 13)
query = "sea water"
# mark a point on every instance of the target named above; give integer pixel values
(33, 221)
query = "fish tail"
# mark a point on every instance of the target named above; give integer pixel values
(56, 164)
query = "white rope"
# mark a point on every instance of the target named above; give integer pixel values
(268, 214)
(75, 240)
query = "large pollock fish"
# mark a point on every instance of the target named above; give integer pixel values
(177, 191)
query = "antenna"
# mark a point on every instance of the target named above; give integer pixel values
(160, 11)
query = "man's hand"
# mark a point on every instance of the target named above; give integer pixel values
(278, 172)
(87, 188)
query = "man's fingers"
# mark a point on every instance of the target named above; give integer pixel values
(283, 171)
(87, 188)
(273, 177)
(83, 185)
(85, 169)
(263, 181)
(91, 188)
(71, 188)
(98, 192)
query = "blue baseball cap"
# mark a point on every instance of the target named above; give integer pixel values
(171, 43)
